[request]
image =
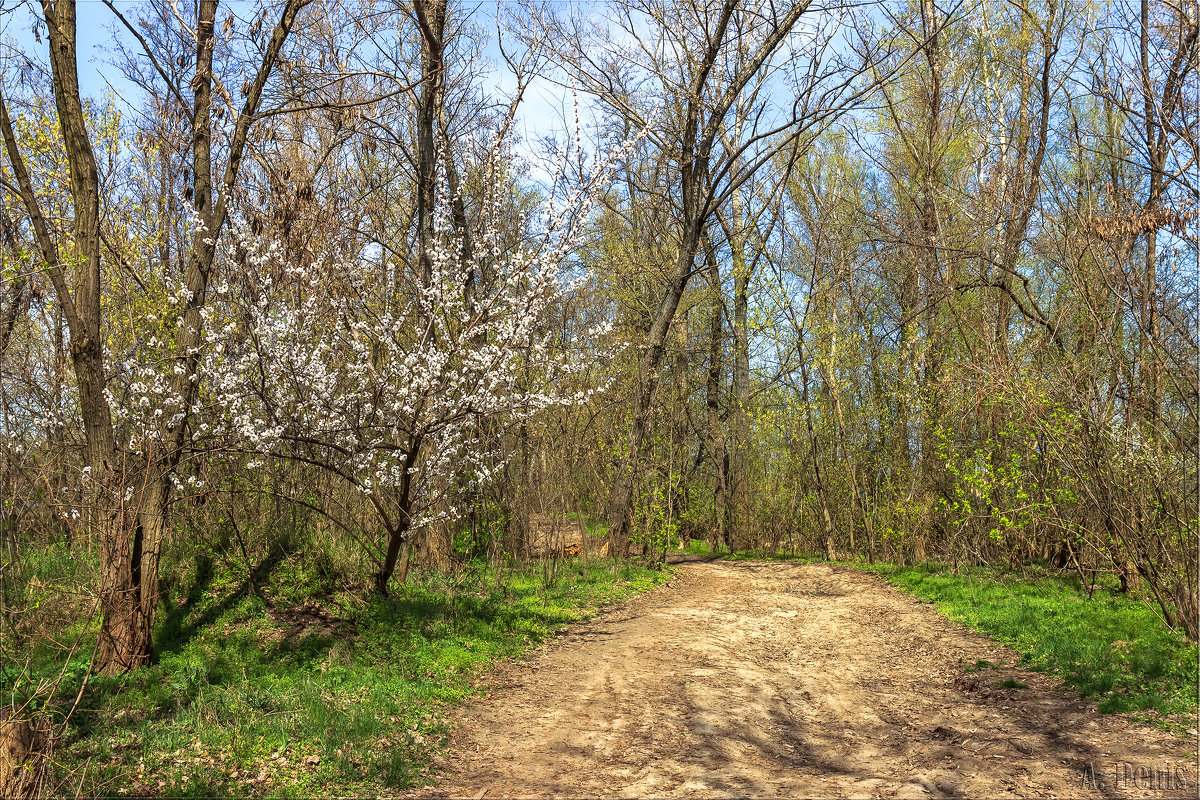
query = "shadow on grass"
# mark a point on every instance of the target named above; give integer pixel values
(360, 681)
(175, 633)
(177, 630)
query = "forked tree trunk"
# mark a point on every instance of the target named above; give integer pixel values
(126, 624)
(129, 500)
(399, 543)
(703, 122)
(131, 543)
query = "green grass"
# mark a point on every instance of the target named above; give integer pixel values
(596, 528)
(1110, 647)
(297, 690)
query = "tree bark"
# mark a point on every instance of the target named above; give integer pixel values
(431, 21)
(739, 463)
(716, 430)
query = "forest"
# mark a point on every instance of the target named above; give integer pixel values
(383, 289)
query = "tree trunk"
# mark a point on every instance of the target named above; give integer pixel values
(399, 540)
(399, 532)
(124, 633)
(431, 20)
(739, 466)
(716, 431)
(620, 508)
(822, 494)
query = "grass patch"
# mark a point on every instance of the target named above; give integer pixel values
(294, 690)
(596, 528)
(1110, 647)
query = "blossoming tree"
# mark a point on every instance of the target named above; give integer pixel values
(388, 383)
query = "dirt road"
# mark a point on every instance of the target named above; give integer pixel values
(797, 680)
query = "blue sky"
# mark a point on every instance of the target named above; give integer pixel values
(95, 32)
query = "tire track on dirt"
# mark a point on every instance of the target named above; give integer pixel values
(801, 680)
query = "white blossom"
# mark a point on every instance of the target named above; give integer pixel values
(392, 391)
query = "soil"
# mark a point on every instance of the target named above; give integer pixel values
(771, 679)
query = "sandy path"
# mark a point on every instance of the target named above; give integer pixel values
(778, 679)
